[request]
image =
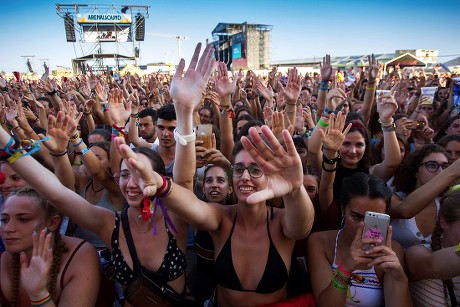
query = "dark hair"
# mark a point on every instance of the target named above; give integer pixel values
(229, 199)
(378, 147)
(247, 109)
(149, 112)
(245, 129)
(105, 146)
(211, 111)
(406, 175)
(361, 184)
(355, 116)
(106, 134)
(398, 116)
(447, 139)
(50, 105)
(444, 127)
(450, 212)
(167, 112)
(358, 126)
(157, 162)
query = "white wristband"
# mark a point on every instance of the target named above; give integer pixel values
(184, 139)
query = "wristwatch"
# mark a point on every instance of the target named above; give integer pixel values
(184, 139)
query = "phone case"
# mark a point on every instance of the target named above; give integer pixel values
(204, 133)
(376, 226)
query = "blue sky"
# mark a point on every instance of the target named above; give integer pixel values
(301, 29)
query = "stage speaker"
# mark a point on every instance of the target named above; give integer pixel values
(140, 27)
(69, 28)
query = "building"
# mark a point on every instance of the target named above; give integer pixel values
(242, 46)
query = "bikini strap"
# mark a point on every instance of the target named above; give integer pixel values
(336, 244)
(268, 227)
(129, 240)
(68, 262)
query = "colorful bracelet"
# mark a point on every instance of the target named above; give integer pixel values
(74, 137)
(227, 110)
(321, 123)
(165, 188)
(457, 250)
(337, 286)
(41, 302)
(328, 111)
(84, 151)
(342, 269)
(323, 85)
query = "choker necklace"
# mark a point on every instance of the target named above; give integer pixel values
(92, 187)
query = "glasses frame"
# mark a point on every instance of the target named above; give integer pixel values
(443, 166)
(248, 168)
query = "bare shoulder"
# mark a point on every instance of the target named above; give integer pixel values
(77, 250)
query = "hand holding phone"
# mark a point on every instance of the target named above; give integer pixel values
(376, 227)
(204, 133)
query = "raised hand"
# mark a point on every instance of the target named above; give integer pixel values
(101, 92)
(334, 136)
(118, 111)
(334, 97)
(326, 68)
(292, 90)
(374, 67)
(387, 105)
(186, 89)
(282, 168)
(60, 129)
(224, 87)
(268, 116)
(35, 274)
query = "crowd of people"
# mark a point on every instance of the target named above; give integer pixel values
(110, 198)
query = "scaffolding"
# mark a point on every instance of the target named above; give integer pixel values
(98, 27)
(244, 45)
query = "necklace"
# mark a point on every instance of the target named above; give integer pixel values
(92, 187)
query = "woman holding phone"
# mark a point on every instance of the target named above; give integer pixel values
(343, 270)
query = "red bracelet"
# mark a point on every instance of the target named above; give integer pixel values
(342, 269)
(165, 188)
(165, 182)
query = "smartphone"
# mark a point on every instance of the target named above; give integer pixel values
(204, 133)
(25, 103)
(416, 125)
(375, 226)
